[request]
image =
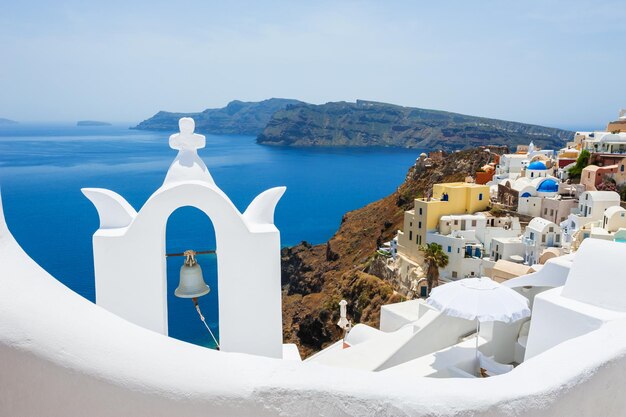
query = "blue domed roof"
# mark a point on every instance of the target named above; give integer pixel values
(537, 165)
(548, 186)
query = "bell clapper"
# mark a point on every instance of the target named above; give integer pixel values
(195, 301)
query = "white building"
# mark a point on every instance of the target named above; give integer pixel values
(510, 166)
(592, 204)
(528, 161)
(591, 207)
(536, 169)
(507, 248)
(612, 226)
(605, 142)
(539, 235)
(468, 239)
(531, 192)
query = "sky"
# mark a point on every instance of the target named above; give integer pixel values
(556, 63)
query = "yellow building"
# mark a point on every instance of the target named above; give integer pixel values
(449, 198)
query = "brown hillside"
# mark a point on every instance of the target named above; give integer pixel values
(316, 278)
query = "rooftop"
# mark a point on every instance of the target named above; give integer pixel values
(611, 211)
(602, 196)
(537, 165)
(540, 224)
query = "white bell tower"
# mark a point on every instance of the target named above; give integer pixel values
(129, 253)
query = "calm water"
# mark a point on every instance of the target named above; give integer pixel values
(43, 168)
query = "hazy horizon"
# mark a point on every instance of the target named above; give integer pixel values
(551, 63)
(132, 123)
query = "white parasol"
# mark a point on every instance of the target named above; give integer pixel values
(480, 299)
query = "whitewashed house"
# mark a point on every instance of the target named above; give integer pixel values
(507, 248)
(533, 192)
(527, 161)
(591, 208)
(540, 234)
(510, 166)
(467, 240)
(612, 226)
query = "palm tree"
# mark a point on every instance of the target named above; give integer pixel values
(435, 258)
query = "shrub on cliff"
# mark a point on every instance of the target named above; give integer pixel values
(581, 163)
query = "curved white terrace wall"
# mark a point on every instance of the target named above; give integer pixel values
(130, 264)
(61, 355)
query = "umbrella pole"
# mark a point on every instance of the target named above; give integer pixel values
(477, 330)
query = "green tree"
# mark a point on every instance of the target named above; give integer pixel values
(435, 258)
(581, 162)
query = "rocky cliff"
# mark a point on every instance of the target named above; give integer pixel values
(367, 123)
(238, 117)
(316, 278)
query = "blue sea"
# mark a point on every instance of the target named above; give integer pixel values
(43, 167)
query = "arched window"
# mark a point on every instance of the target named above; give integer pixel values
(190, 228)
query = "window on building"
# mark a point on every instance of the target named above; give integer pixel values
(419, 225)
(410, 234)
(449, 248)
(473, 223)
(456, 222)
(557, 238)
(411, 224)
(543, 238)
(621, 168)
(551, 229)
(420, 211)
(458, 250)
(532, 235)
(454, 274)
(480, 196)
(545, 211)
(551, 212)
